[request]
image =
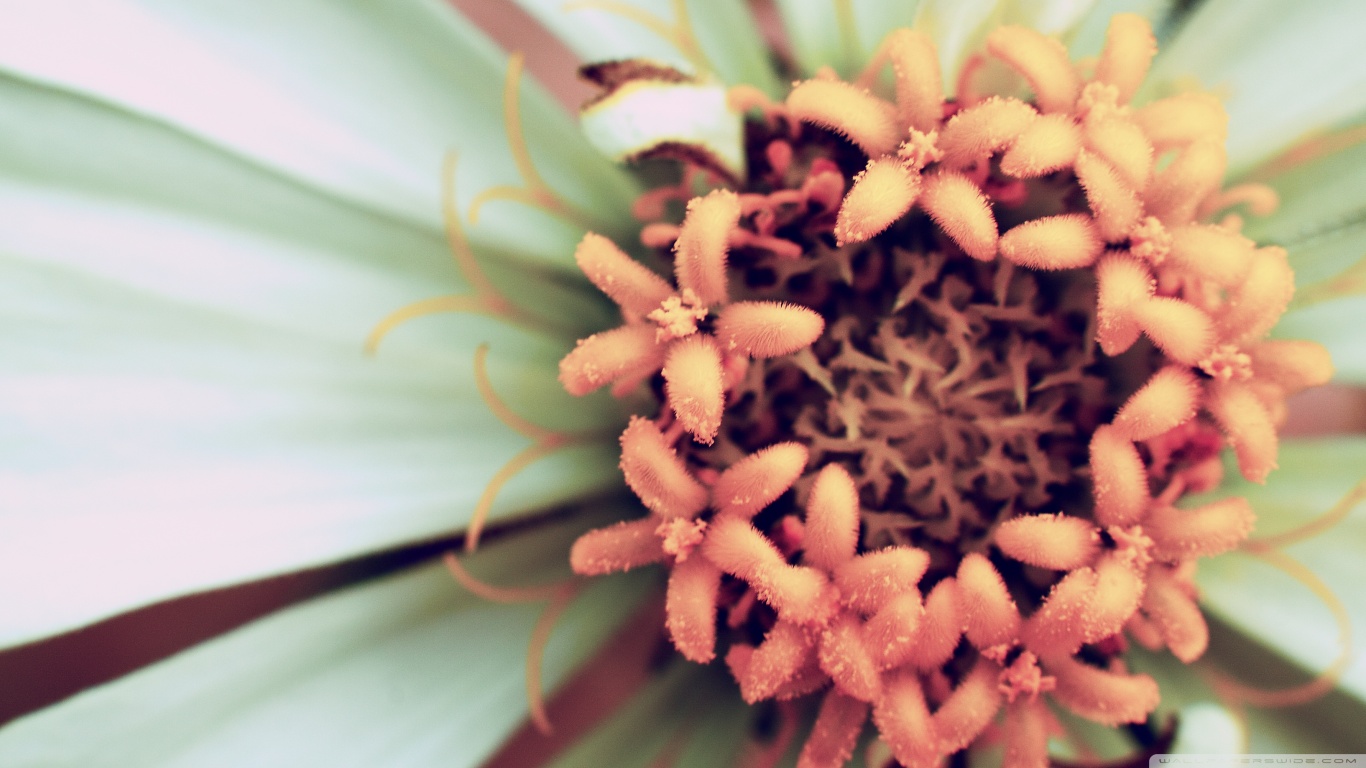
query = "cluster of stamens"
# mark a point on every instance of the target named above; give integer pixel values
(926, 466)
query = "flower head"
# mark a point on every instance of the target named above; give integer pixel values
(926, 357)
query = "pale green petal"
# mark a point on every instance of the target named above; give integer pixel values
(186, 399)
(1336, 325)
(822, 34)
(727, 44)
(689, 708)
(1283, 69)
(359, 100)
(1321, 218)
(1264, 602)
(407, 671)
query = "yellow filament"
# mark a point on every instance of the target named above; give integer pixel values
(534, 192)
(1348, 282)
(426, 307)
(1315, 527)
(496, 594)
(546, 442)
(486, 298)
(540, 637)
(1307, 150)
(1326, 680)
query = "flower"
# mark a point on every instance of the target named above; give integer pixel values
(327, 226)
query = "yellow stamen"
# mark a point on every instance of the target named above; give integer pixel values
(881, 194)
(766, 329)
(1120, 483)
(497, 594)
(690, 608)
(547, 441)
(634, 288)
(757, 480)
(1058, 542)
(968, 710)
(890, 633)
(1176, 192)
(629, 352)
(619, 547)
(1172, 609)
(832, 519)
(1166, 401)
(693, 385)
(988, 610)
(958, 207)
(1122, 144)
(1249, 426)
(1067, 241)
(1113, 202)
(871, 580)
(835, 732)
(980, 131)
(919, 86)
(864, 119)
(1107, 697)
(1129, 49)
(1184, 534)
(1212, 252)
(844, 657)
(1049, 144)
(1058, 627)
(1042, 61)
(941, 626)
(656, 473)
(703, 243)
(1183, 119)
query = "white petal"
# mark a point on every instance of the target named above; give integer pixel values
(360, 100)
(728, 42)
(1282, 69)
(407, 671)
(185, 399)
(641, 115)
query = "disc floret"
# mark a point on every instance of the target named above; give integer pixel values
(933, 380)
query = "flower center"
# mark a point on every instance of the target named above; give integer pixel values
(931, 379)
